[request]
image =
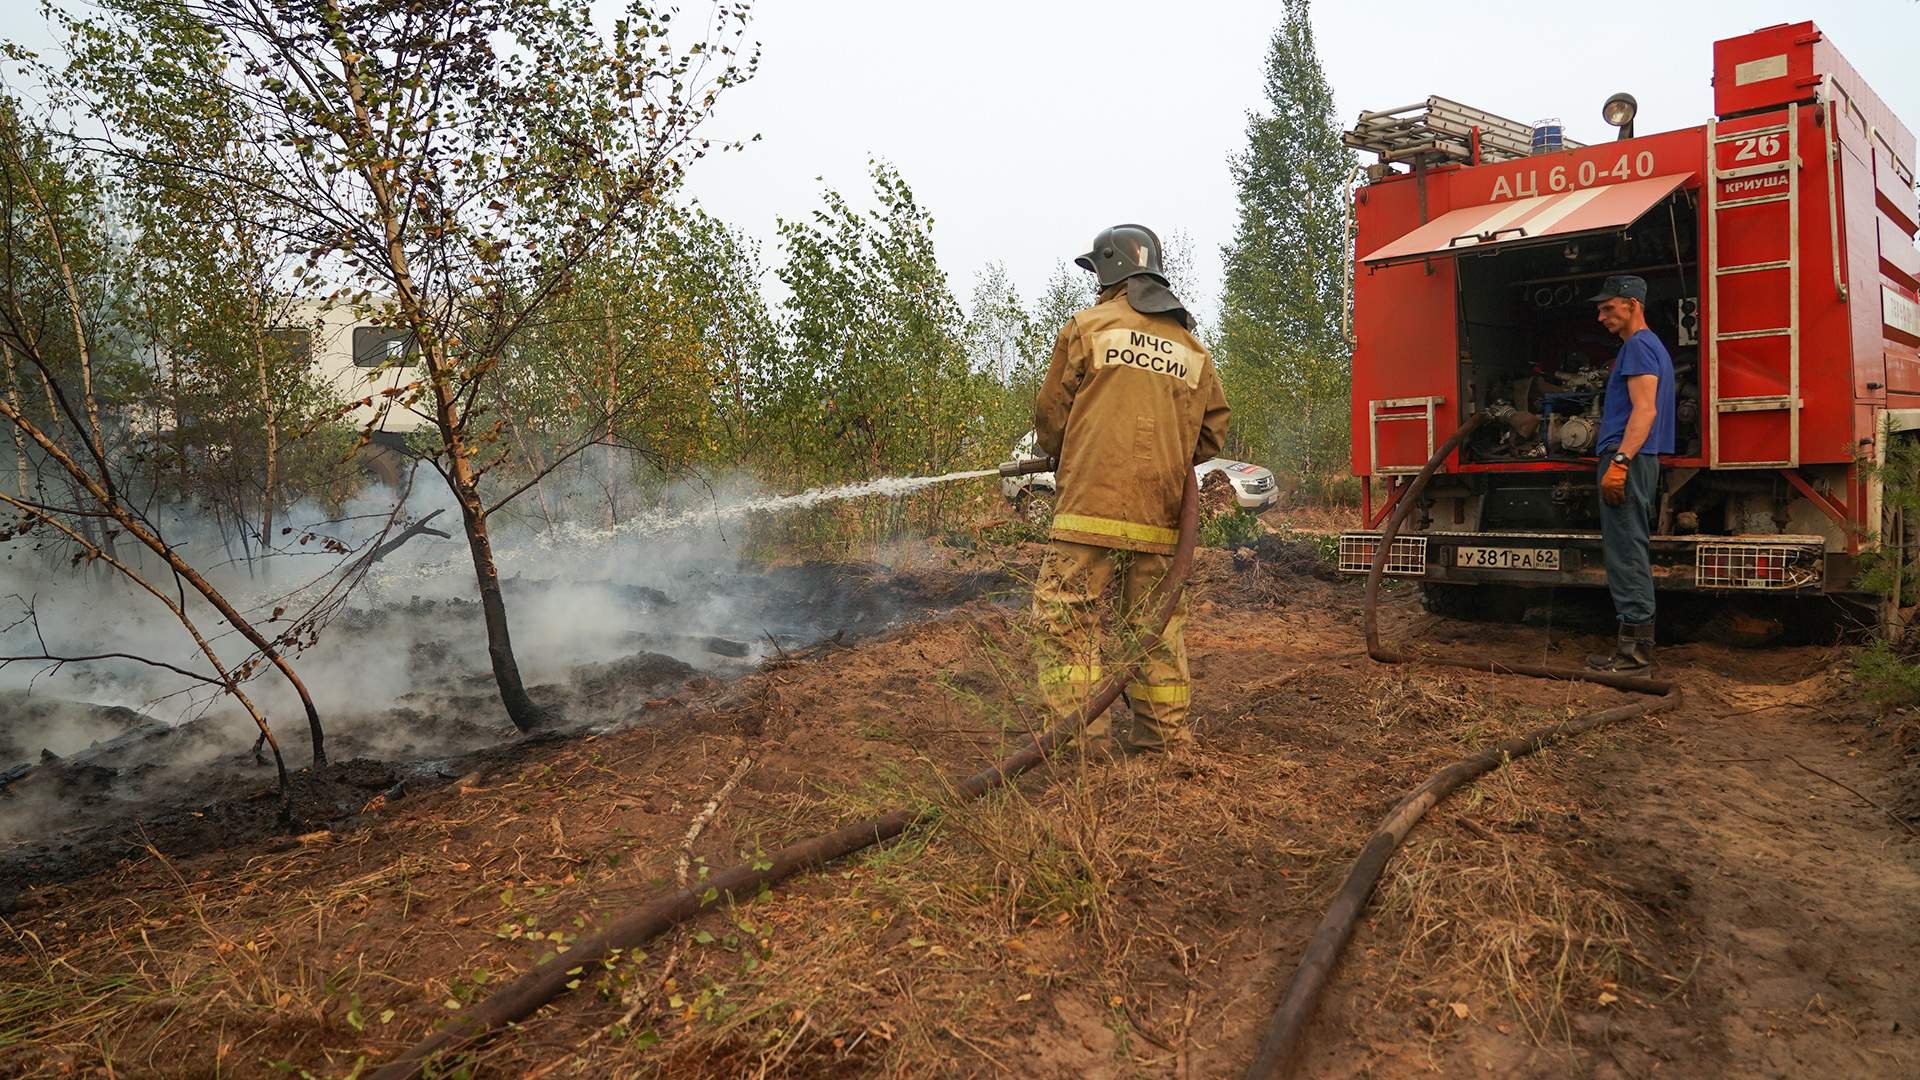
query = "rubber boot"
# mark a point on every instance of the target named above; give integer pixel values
(1632, 651)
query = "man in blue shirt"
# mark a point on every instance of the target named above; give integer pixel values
(1636, 427)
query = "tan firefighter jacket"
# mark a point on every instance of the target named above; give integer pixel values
(1130, 405)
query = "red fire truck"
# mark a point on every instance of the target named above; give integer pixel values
(1777, 241)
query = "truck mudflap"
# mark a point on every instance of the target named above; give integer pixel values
(1747, 563)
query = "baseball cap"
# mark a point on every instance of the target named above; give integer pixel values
(1625, 286)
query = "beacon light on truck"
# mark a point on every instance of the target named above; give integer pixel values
(1619, 111)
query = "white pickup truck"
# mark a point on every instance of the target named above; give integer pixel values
(1253, 485)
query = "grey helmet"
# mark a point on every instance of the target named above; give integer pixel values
(1122, 252)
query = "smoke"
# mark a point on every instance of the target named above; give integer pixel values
(603, 619)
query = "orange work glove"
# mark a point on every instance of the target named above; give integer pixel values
(1613, 486)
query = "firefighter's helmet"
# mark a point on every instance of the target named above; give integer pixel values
(1122, 252)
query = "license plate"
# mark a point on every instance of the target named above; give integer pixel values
(1507, 558)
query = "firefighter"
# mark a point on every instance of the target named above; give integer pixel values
(1130, 404)
(1636, 427)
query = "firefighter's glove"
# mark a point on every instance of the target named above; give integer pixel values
(1613, 486)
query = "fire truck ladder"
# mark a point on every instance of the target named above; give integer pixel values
(1716, 206)
(1437, 131)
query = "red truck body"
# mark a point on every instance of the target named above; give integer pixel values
(1778, 243)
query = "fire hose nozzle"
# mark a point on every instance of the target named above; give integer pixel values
(1029, 466)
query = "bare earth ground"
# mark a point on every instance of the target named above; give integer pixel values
(1675, 897)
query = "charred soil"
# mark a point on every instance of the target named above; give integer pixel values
(189, 788)
(1688, 895)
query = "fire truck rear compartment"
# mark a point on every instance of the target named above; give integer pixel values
(1535, 359)
(1777, 240)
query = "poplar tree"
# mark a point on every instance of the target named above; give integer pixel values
(1282, 351)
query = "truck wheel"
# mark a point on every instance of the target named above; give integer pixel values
(1475, 603)
(1447, 601)
(1036, 507)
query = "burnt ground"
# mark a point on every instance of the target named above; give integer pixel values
(1686, 895)
(197, 786)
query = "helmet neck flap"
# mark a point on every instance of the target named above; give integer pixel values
(1131, 254)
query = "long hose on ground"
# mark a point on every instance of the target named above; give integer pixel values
(1279, 1049)
(525, 995)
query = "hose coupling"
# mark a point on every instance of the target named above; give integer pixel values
(1029, 466)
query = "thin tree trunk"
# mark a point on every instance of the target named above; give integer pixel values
(531, 454)
(179, 432)
(613, 383)
(92, 436)
(227, 678)
(1306, 414)
(273, 426)
(137, 529)
(58, 417)
(96, 441)
(460, 477)
(493, 606)
(22, 467)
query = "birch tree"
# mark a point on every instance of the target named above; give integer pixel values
(879, 368)
(447, 168)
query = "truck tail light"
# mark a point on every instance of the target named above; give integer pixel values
(1407, 557)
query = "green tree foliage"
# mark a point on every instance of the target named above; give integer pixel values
(1069, 290)
(1282, 353)
(82, 470)
(877, 369)
(239, 418)
(58, 305)
(997, 326)
(651, 356)
(1001, 345)
(500, 181)
(1177, 258)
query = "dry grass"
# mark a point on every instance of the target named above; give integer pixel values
(155, 967)
(1135, 916)
(1495, 929)
(1059, 909)
(303, 957)
(1487, 917)
(1421, 700)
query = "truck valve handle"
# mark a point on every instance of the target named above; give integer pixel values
(1028, 466)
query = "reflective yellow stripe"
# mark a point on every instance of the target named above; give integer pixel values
(1069, 673)
(1160, 695)
(1099, 526)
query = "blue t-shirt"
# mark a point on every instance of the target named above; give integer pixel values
(1642, 354)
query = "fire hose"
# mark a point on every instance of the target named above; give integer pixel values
(1278, 1052)
(525, 995)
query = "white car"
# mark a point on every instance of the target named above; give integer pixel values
(1253, 485)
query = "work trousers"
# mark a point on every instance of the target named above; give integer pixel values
(1623, 539)
(1066, 604)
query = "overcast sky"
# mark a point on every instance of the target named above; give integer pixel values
(1027, 126)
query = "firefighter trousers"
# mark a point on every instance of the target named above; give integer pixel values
(1066, 605)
